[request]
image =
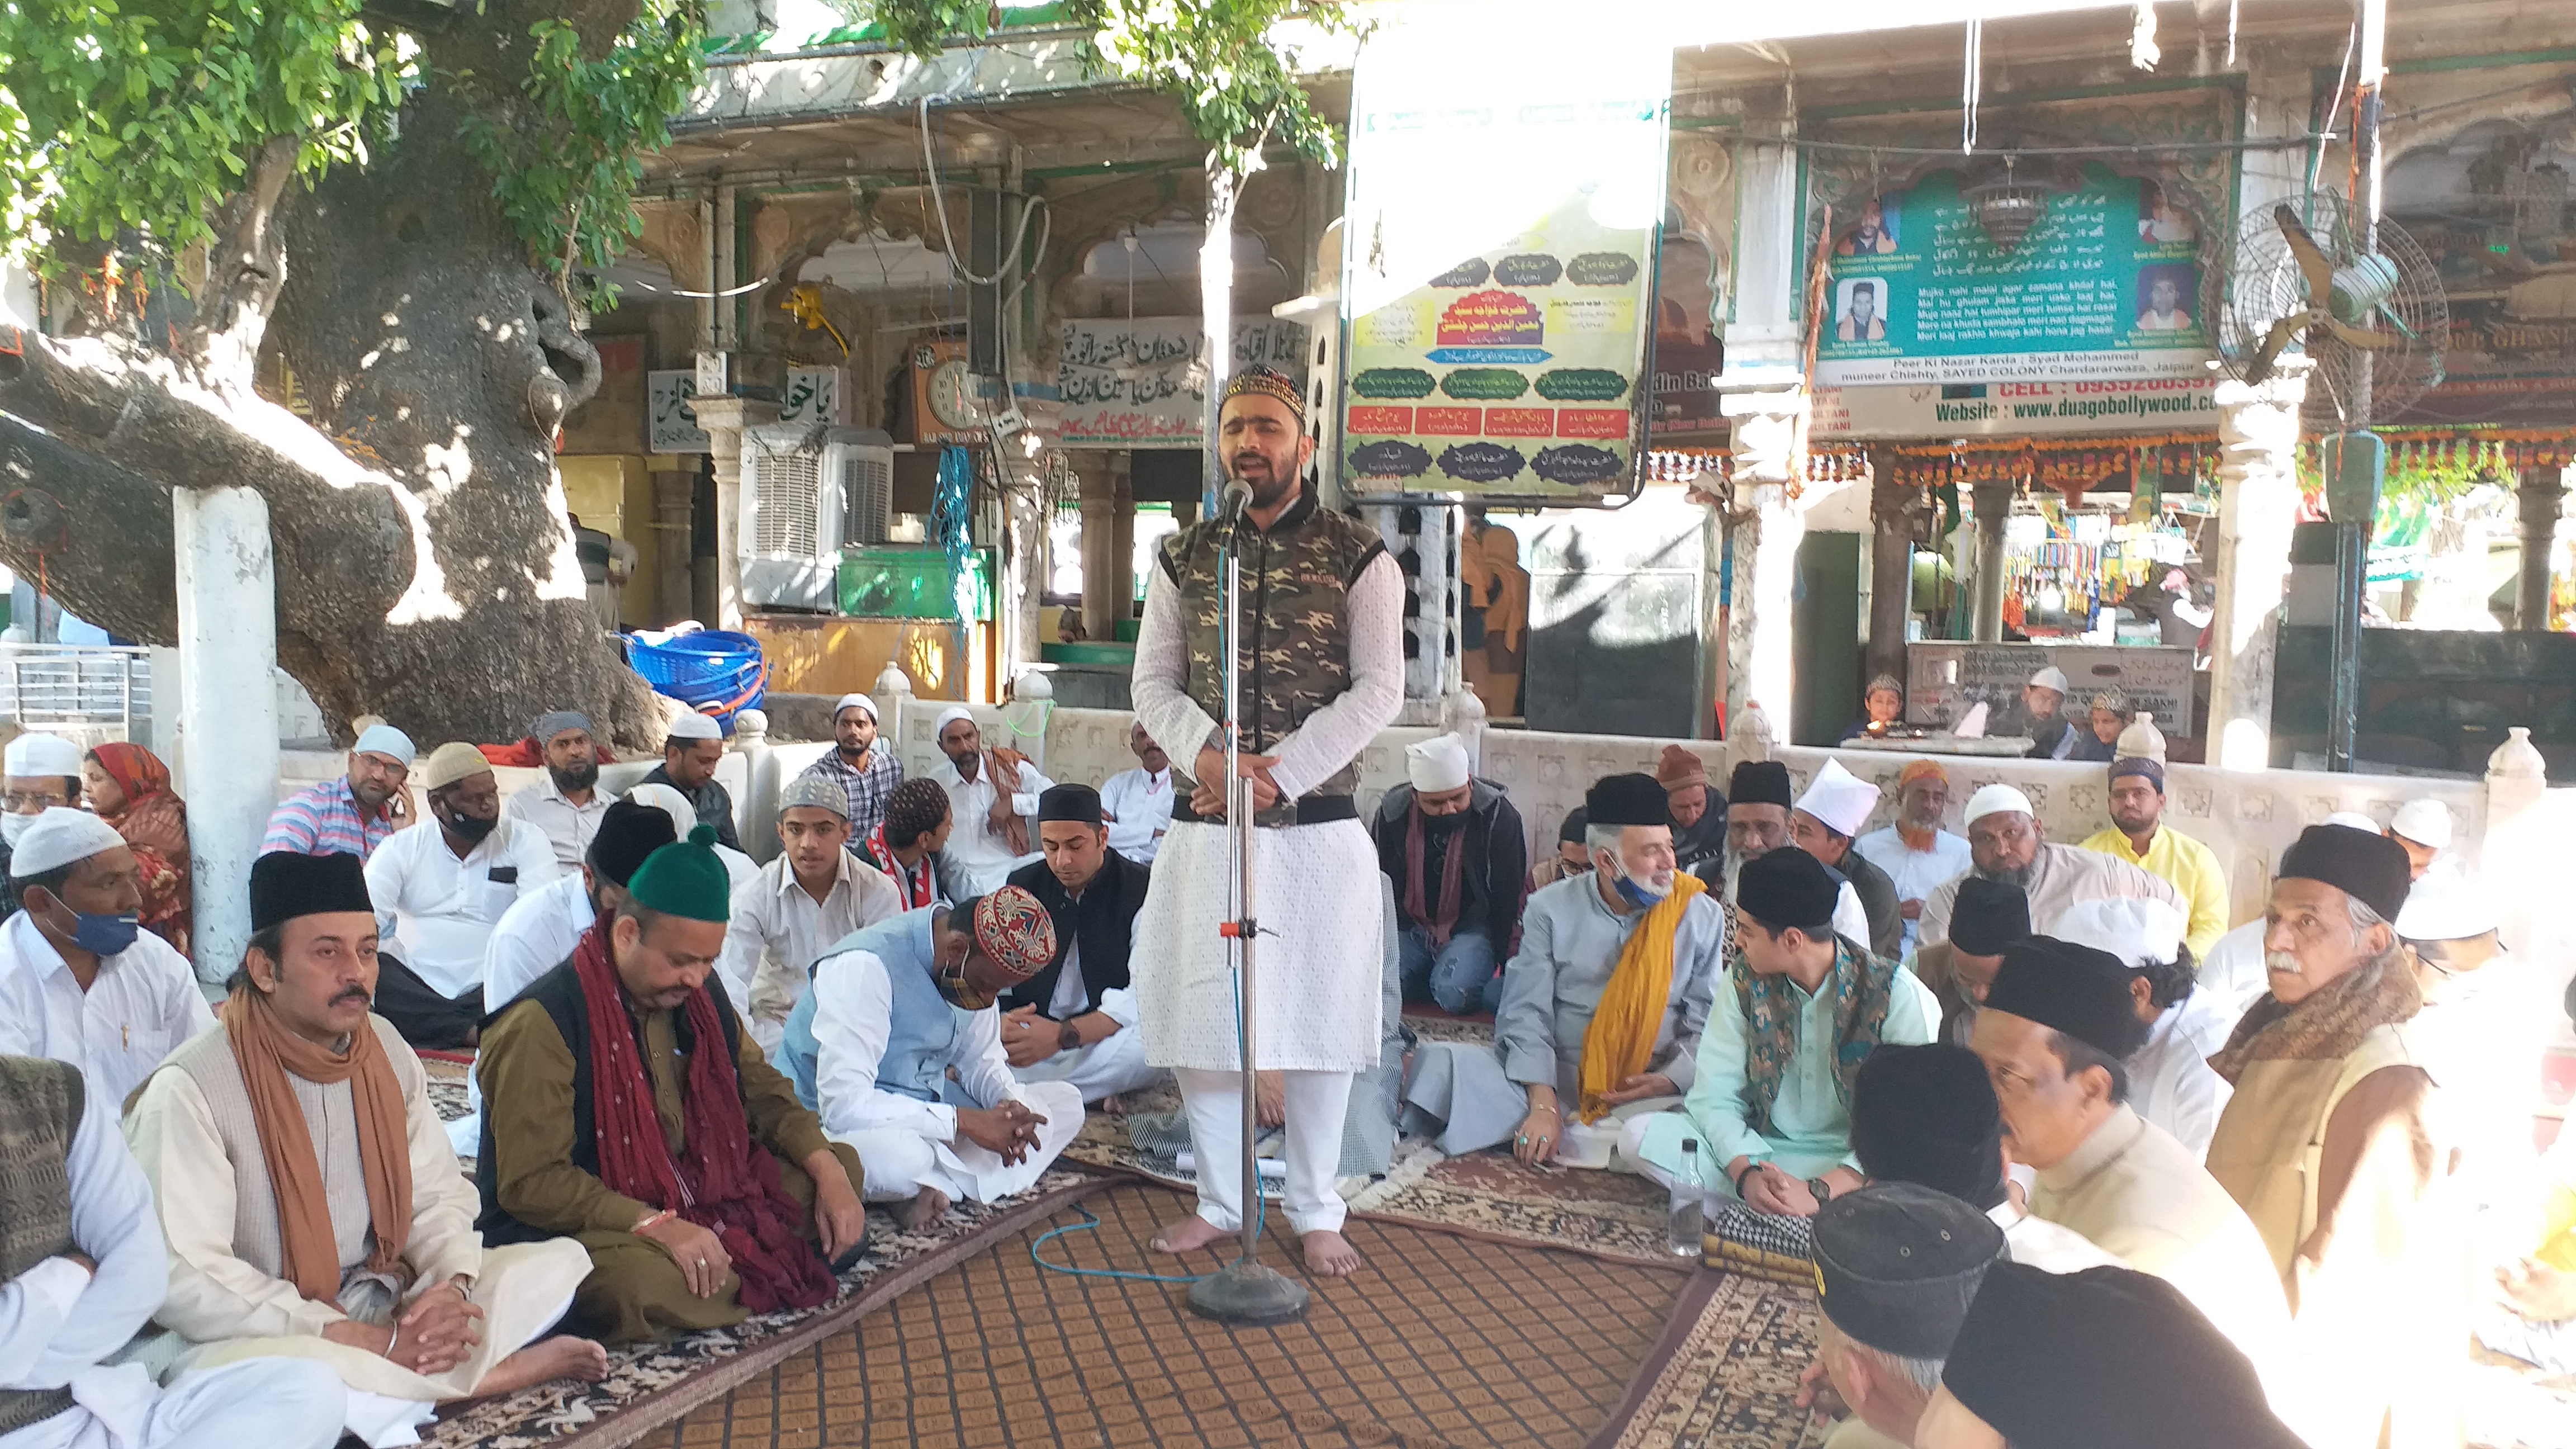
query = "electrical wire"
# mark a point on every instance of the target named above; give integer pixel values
(1019, 234)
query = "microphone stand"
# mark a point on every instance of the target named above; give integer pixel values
(1244, 1292)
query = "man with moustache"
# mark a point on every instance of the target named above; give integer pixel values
(1323, 605)
(351, 815)
(440, 892)
(2007, 842)
(566, 803)
(1138, 802)
(1918, 855)
(865, 773)
(1757, 823)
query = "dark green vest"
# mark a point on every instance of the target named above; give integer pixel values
(1296, 645)
(40, 1110)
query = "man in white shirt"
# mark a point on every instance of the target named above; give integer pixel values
(2424, 828)
(80, 981)
(566, 802)
(785, 918)
(438, 894)
(1757, 823)
(993, 795)
(894, 1012)
(1075, 1021)
(1917, 854)
(2170, 1083)
(1139, 801)
(2007, 842)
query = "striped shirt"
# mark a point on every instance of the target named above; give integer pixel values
(324, 820)
(867, 786)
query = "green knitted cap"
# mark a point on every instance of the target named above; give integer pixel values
(685, 880)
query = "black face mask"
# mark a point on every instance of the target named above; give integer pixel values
(1444, 824)
(469, 828)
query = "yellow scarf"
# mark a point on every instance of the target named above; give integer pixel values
(1631, 1014)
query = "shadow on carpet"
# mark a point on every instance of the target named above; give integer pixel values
(1430, 1347)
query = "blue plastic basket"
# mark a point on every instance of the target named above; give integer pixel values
(710, 667)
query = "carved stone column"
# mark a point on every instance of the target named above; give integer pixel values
(724, 418)
(1993, 502)
(2543, 491)
(2258, 499)
(1765, 525)
(1896, 514)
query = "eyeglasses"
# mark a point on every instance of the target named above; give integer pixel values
(29, 802)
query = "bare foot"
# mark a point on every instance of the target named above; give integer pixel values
(1329, 1254)
(1112, 1105)
(923, 1210)
(560, 1357)
(1189, 1235)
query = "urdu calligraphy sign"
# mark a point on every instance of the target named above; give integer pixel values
(1138, 383)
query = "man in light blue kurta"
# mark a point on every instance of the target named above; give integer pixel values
(1797, 1013)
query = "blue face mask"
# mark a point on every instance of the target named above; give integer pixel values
(105, 935)
(1637, 895)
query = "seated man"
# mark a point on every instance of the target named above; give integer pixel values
(2231, 973)
(1602, 1005)
(1988, 916)
(438, 894)
(1138, 802)
(739, 868)
(1698, 811)
(1075, 1021)
(348, 816)
(1802, 1008)
(2052, 736)
(1917, 854)
(1824, 823)
(310, 1197)
(1572, 856)
(43, 773)
(700, 1187)
(1455, 848)
(994, 794)
(788, 915)
(2488, 1019)
(2139, 835)
(84, 1270)
(690, 754)
(80, 980)
(861, 764)
(2423, 829)
(900, 1043)
(2170, 1082)
(2007, 842)
(565, 803)
(906, 843)
(1928, 1115)
(1896, 1267)
(1757, 822)
(2055, 1029)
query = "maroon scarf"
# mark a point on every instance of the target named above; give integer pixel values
(1453, 867)
(723, 1181)
(918, 885)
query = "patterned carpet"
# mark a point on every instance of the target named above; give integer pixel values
(1726, 1372)
(1436, 1347)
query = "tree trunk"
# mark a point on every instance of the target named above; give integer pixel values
(425, 570)
(1216, 314)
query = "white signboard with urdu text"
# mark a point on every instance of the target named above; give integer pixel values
(1137, 382)
(671, 426)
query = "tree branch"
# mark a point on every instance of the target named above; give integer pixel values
(245, 270)
(97, 535)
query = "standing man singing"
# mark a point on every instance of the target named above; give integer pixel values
(1322, 606)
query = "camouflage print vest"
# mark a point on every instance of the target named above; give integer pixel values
(1296, 645)
(40, 1109)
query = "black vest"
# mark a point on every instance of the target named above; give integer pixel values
(1103, 922)
(558, 994)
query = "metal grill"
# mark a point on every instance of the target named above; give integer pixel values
(867, 497)
(788, 486)
(59, 684)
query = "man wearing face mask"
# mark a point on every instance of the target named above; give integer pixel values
(1455, 848)
(80, 980)
(899, 1048)
(1602, 1004)
(440, 892)
(43, 773)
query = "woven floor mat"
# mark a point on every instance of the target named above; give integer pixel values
(1725, 1372)
(1435, 1345)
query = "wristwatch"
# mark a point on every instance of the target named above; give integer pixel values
(1068, 1037)
(1823, 1190)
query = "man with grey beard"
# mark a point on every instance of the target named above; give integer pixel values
(2007, 842)
(1760, 826)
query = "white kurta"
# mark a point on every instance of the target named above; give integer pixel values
(567, 827)
(1916, 873)
(435, 909)
(978, 859)
(2171, 1084)
(778, 932)
(1140, 809)
(2051, 1247)
(143, 1002)
(2232, 974)
(1317, 963)
(533, 937)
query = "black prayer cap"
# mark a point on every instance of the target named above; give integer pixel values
(1787, 888)
(1927, 1115)
(1077, 803)
(1897, 1266)
(2360, 863)
(1569, 831)
(1988, 915)
(1759, 782)
(629, 832)
(285, 885)
(2107, 1358)
(1631, 799)
(2074, 989)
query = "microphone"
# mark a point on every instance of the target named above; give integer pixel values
(1231, 504)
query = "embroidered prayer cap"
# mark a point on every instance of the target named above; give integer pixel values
(629, 833)
(1013, 931)
(375, 739)
(1839, 798)
(285, 885)
(37, 753)
(1260, 381)
(1988, 915)
(695, 726)
(1994, 800)
(2443, 906)
(1787, 888)
(1627, 800)
(1920, 770)
(2423, 821)
(2073, 989)
(1897, 1266)
(56, 838)
(2151, 771)
(2050, 677)
(1759, 782)
(2368, 867)
(855, 700)
(451, 762)
(685, 880)
(1928, 1115)
(815, 792)
(559, 721)
(1569, 831)
(1077, 803)
(1437, 764)
(2092, 1360)
(1680, 768)
(2113, 698)
(2140, 932)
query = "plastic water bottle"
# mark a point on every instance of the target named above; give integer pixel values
(1682, 1222)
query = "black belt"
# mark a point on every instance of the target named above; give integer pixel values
(1304, 810)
